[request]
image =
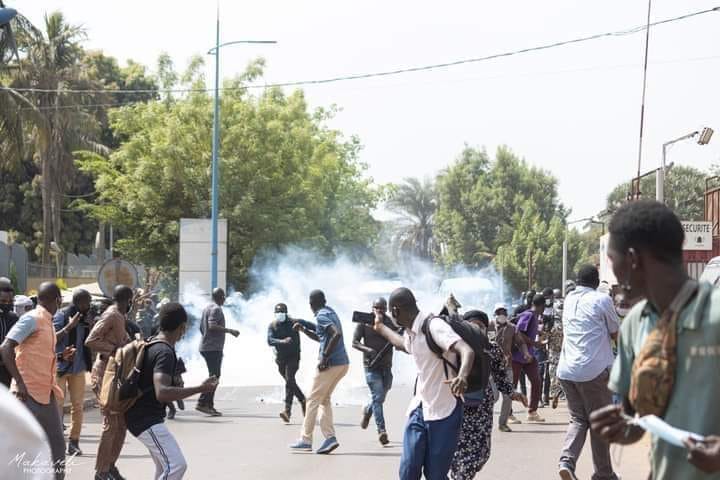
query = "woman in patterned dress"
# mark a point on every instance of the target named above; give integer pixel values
(473, 449)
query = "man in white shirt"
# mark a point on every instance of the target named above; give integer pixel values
(435, 413)
(589, 324)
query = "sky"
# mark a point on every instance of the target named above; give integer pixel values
(572, 110)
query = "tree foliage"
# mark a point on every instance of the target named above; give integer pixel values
(486, 204)
(415, 202)
(285, 178)
(684, 192)
(40, 131)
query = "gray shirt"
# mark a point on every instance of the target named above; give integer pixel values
(212, 341)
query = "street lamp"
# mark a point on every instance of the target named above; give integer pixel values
(704, 137)
(216, 147)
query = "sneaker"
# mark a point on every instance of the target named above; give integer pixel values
(367, 414)
(328, 446)
(215, 413)
(301, 446)
(204, 409)
(115, 474)
(383, 438)
(505, 428)
(74, 449)
(535, 417)
(514, 420)
(566, 472)
(285, 416)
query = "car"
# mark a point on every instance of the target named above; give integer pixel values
(712, 271)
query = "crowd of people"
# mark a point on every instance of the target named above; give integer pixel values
(609, 362)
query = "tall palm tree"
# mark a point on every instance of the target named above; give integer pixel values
(54, 123)
(415, 201)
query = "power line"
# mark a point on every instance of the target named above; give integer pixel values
(387, 73)
(79, 106)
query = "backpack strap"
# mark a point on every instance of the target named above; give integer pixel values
(434, 347)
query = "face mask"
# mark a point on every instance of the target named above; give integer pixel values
(280, 317)
(5, 308)
(501, 319)
(548, 303)
(622, 312)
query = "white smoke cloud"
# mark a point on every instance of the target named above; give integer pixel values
(348, 286)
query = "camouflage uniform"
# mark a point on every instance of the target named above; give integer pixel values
(555, 339)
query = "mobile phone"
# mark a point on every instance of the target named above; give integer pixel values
(363, 317)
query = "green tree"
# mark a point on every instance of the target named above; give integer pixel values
(533, 257)
(684, 192)
(415, 202)
(480, 201)
(285, 177)
(51, 119)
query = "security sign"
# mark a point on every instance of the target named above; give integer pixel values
(698, 235)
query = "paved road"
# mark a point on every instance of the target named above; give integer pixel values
(250, 442)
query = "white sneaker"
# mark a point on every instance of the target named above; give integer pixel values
(512, 419)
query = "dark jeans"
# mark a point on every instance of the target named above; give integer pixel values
(544, 365)
(429, 446)
(531, 370)
(288, 367)
(214, 364)
(380, 382)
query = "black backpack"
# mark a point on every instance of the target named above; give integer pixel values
(475, 338)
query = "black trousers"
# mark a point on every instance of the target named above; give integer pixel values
(214, 364)
(288, 367)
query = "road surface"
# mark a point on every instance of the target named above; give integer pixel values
(250, 442)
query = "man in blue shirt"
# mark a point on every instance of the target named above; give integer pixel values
(72, 325)
(332, 366)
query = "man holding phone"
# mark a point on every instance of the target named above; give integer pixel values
(378, 357)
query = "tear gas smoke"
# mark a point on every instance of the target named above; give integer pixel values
(348, 286)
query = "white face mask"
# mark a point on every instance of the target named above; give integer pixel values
(280, 317)
(501, 319)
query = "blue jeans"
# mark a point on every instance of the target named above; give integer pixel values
(379, 381)
(429, 446)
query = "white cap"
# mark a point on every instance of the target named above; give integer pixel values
(500, 306)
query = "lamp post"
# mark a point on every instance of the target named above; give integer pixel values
(216, 147)
(704, 137)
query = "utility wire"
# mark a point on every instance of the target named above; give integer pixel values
(390, 85)
(79, 106)
(387, 73)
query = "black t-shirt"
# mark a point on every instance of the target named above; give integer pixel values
(147, 411)
(367, 335)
